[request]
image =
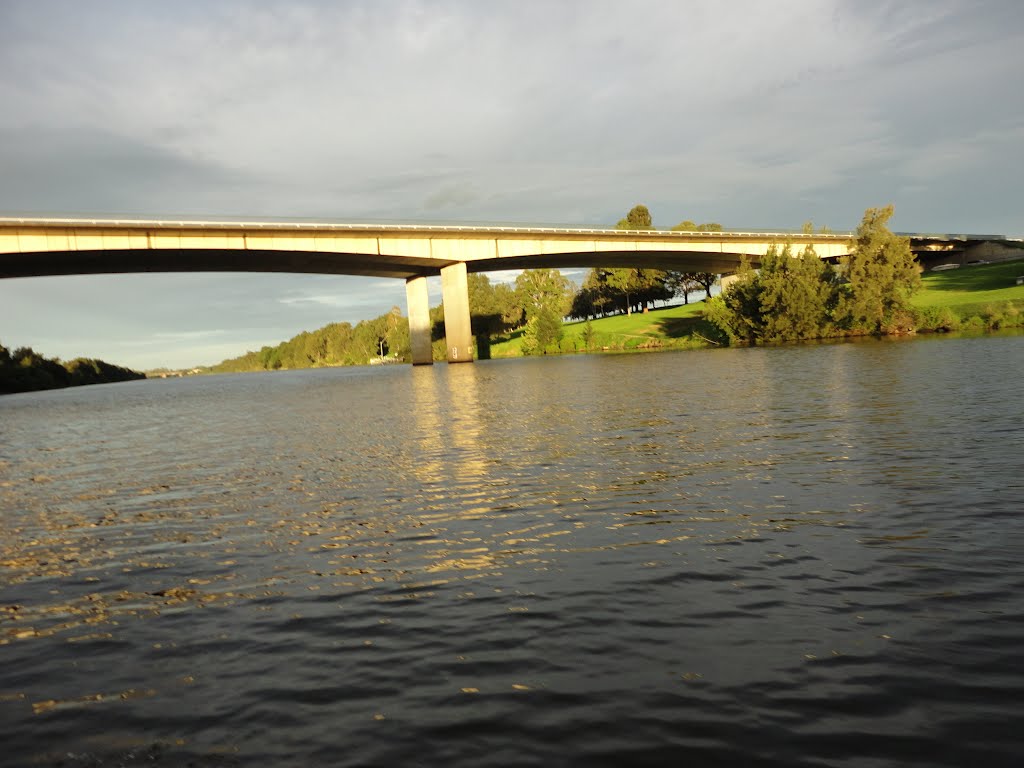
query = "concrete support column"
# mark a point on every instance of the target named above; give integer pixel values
(455, 295)
(418, 304)
(728, 280)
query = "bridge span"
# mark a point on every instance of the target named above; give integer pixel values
(32, 247)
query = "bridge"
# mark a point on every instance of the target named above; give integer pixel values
(33, 247)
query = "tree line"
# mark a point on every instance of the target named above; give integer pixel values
(797, 296)
(382, 338)
(25, 370)
(608, 291)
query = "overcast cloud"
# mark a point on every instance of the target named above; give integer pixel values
(752, 114)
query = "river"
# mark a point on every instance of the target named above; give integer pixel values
(796, 556)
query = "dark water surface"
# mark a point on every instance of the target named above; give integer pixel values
(793, 556)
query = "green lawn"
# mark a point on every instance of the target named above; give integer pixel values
(678, 327)
(970, 290)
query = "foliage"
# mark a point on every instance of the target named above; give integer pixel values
(334, 344)
(682, 284)
(544, 290)
(882, 276)
(689, 226)
(637, 218)
(799, 294)
(493, 308)
(678, 327)
(706, 279)
(801, 298)
(610, 290)
(738, 312)
(25, 370)
(543, 333)
(790, 298)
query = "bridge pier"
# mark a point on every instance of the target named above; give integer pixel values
(455, 295)
(418, 304)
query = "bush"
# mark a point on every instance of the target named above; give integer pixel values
(937, 319)
(973, 323)
(993, 317)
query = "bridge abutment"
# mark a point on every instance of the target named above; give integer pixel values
(455, 295)
(418, 304)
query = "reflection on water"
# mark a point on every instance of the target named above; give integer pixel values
(788, 556)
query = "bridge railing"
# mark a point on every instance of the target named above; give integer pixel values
(298, 225)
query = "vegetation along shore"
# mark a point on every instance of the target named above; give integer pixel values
(25, 370)
(879, 289)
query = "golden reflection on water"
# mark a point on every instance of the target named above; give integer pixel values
(461, 505)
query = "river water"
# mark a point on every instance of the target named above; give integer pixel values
(790, 556)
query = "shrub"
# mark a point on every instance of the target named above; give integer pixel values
(938, 319)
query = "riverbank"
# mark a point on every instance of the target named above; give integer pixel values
(25, 370)
(978, 297)
(971, 298)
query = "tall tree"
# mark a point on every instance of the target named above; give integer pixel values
(738, 311)
(626, 281)
(797, 295)
(493, 309)
(544, 289)
(637, 218)
(542, 333)
(882, 277)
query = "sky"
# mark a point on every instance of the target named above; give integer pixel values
(753, 114)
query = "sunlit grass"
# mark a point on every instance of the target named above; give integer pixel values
(677, 326)
(970, 289)
(982, 290)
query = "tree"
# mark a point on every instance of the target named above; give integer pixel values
(738, 311)
(544, 289)
(493, 309)
(689, 226)
(543, 332)
(396, 334)
(707, 280)
(653, 287)
(882, 277)
(796, 297)
(682, 284)
(595, 297)
(626, 281)
(790, 298)
(637, 218)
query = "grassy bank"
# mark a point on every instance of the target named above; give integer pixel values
(970, 298)
(678, 327)
(976, 298)
(972, 291)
